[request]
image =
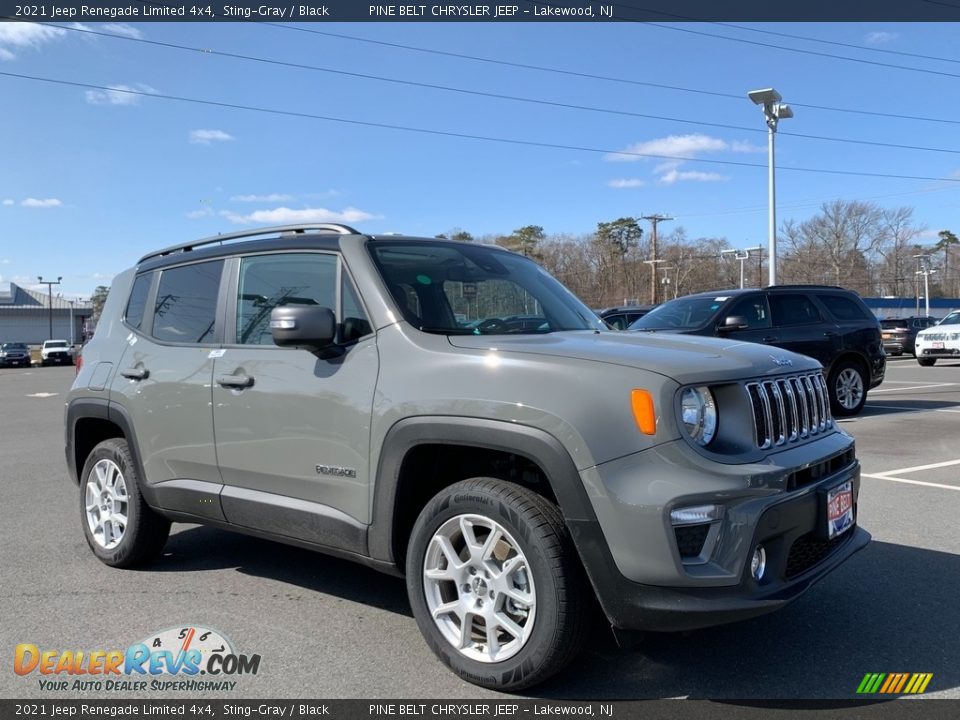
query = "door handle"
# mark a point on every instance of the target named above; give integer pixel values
(134, 373)
(235, 381)
(771, 338)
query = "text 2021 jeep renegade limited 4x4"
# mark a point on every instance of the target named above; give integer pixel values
(364, 396)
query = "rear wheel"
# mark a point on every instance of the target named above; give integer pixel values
(121, 529)
(495, 584)
(927, 362)
(848, 388)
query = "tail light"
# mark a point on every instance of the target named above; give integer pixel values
(78, 361)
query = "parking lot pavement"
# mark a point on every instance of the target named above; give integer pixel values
(330, 629)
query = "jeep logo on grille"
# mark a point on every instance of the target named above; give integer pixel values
(781, 361)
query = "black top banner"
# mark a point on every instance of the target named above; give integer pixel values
(333, 11)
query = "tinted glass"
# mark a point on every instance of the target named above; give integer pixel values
(844, 308)
(186, 306)
(893, 324)
(682, 313)
(951, 319)
(268, 281)
(138, 300)
(792, 309)
(753, 309)
(460, 288)
(13, 346)
(354, 323)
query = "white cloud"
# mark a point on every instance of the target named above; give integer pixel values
(880, 38)
(626, 183)
(8, 201)
(284, 215)
(202, 213)
(273, 197)
(683, 145)
(119, 94)
(41, 203)
(25, 35)
(675, 176)
(742, 146)
(122, 29)
(4, 261)
(205, 137)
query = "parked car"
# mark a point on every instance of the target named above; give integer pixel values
(830, 324)
(56, 352)
(899, 334)
(620, 318)
(312, 385)
(940, 342)
(14, 354)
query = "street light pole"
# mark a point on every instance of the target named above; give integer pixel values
(926, 272)
(49, 284)
(742, 256)
(773, 111)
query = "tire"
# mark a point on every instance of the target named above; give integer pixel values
(110, 478)
(545, 601)
(927, 362)
(848, 388)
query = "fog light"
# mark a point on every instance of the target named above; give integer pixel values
(758, 564)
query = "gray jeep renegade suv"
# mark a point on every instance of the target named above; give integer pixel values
(367, 397)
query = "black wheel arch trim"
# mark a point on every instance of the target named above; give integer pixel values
(81, 409)
(532, 443)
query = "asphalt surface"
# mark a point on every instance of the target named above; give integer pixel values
(326, 628)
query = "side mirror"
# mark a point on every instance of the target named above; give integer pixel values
(310, 327)
(733, 322)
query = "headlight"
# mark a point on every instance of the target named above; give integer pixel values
(698, 411)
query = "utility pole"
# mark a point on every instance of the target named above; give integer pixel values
(654, 221)
(49, 284)
(665, 280)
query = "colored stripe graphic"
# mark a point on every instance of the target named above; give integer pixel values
(894, 683)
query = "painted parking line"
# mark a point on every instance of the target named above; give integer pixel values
(903, 408)
(918, 468)
(913, 387)
(910, 482)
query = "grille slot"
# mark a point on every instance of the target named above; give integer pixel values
(808, 550)
(690, 539)
(788, 409)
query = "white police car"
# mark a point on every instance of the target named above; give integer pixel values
(940, 341)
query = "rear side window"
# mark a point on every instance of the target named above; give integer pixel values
(844, 308)
(793, 309)
(138, 300)
(186, 306)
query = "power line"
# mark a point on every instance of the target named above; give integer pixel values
(593, 76)
(498, 96)
(802, 51)
(467, 136)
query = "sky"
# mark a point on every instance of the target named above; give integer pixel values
(91, 179)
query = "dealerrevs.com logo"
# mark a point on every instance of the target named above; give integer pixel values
(190, 658)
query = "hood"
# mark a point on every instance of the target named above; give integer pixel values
(684, 358)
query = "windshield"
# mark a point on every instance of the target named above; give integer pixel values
(463, 289)
(55, 344)
(951, 319)
(682, 313)
(13, 346)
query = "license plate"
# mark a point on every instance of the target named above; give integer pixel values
(938, 346)
(839, 509)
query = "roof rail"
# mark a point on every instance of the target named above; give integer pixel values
(335, 228)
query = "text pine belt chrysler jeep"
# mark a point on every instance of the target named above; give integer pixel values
(369, 397)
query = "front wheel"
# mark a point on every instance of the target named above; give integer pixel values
(121, 529)
(927, 362)
(848, 389)
(495, 584)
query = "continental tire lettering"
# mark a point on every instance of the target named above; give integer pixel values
(472, 498)
(233, 664)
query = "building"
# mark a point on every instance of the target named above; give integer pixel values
(27, 316)
(910, 306)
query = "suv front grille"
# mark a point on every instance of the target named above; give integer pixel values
(809, 550)
(789, 409)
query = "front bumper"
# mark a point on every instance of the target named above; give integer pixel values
(14, 361)
(635, 563)
(952, 353)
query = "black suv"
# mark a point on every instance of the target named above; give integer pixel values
(830, 324)
(620, 318)
(900, 334)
